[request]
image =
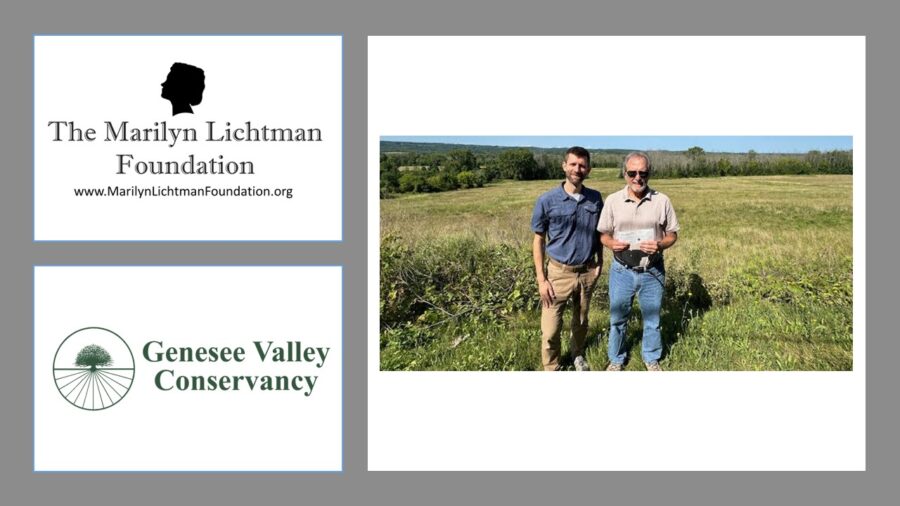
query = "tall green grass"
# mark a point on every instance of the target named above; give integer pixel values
(760, 279)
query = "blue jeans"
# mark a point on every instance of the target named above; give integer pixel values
(649, 287)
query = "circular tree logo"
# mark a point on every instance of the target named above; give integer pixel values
(93, 368)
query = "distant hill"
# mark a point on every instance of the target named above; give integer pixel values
(395, 147)
(388, 147)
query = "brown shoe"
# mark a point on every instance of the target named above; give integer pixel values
(614, 367)
(653, 366)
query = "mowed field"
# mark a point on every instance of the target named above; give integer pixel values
(760, 279)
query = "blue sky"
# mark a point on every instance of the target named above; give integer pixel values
(710, 143)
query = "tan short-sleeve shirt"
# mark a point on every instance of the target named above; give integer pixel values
(621, 213)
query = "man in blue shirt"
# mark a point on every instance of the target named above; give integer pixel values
(564, 223)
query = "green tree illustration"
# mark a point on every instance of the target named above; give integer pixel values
(92, 356)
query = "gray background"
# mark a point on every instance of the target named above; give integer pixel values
(357, 20)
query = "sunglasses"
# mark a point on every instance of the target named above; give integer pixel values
(644, 174)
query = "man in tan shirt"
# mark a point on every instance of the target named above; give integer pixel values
(637, 223)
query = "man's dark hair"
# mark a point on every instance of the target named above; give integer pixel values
(580, 152)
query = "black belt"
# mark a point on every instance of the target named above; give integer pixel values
(638, 268)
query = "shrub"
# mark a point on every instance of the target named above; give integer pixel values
(440, 283)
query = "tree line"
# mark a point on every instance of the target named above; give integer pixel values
(696, 162)
(434, 171)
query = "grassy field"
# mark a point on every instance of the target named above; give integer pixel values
(760, 279)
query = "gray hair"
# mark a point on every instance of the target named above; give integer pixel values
(634, 154)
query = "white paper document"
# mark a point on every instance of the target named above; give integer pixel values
(634, 237)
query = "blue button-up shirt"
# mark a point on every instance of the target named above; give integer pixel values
(570, 225)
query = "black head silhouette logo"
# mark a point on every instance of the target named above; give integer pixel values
(183, 87)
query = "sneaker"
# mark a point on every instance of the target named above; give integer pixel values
(614, 367)
(580, 364)
(653, 366)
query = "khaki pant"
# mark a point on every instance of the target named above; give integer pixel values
(568, 283)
